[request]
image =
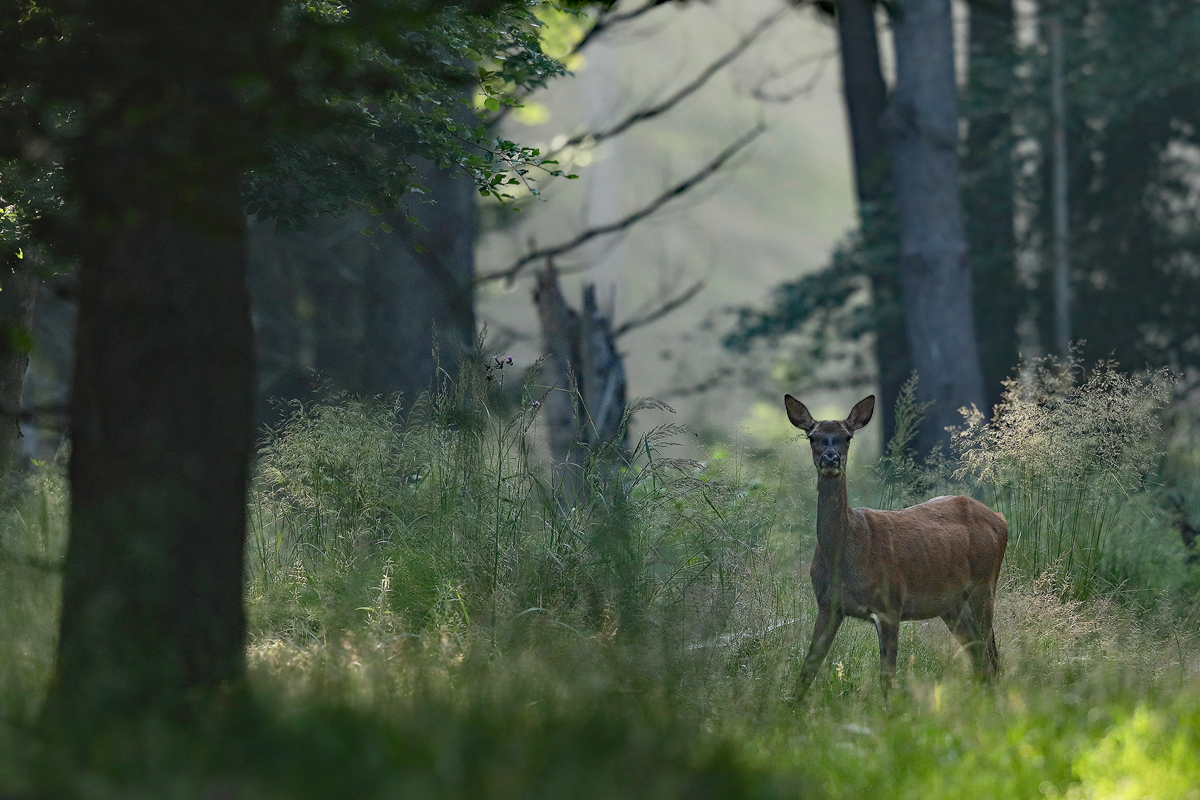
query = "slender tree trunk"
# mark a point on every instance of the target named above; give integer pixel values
(1062, 260)
(865, 95)
(18, 293)
(989, 184)
(935, 279)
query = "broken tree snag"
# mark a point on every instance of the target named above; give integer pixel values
(602, 376)
(560, 337)
(584, 380)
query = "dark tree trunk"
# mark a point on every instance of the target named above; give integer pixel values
(364, 312)
(935, 279)
(161, 405)
(989, 183)
(865, 95)
(161, 424)
(18, 293)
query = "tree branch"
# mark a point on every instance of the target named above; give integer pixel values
(822, 61)
(682, 94)
(605, 20)
(660, 312)
(510, 273)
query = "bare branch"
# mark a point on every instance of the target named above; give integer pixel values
(682, 94)
(712, 381)
(660, 312)
(510, 273)
(823, 60)
(605, 20)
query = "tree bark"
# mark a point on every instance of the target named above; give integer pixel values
(935, 280)
(989, 185)
(865, 95)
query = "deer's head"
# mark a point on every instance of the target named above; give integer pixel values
(830, 439)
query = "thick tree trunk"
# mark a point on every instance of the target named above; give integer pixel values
(161, 425)
(18, 293)
(988, 193)
(935, 279)
(865, 95)
(152, 617)
(364, 312)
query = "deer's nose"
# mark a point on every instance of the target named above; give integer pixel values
(830, 459)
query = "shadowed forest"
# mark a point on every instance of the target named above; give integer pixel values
(391, 396)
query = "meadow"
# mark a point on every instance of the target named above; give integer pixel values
(429, 618)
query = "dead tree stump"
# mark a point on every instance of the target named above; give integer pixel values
(584, 380)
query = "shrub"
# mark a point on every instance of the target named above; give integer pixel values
(1064, 458)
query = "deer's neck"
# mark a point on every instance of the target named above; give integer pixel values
(833, 515)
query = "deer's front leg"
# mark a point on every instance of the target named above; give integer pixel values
(888, 628)
(828, 621)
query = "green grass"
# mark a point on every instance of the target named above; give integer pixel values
(427, 620)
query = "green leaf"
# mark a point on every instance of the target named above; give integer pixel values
(491, 104)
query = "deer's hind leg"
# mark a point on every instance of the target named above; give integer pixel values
(982, 600)
(962, 623)
(888, 629)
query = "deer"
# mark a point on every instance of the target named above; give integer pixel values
(940, 558)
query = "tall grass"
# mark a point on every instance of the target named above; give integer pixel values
(1064, 458)
(441, 516)
(32, 544)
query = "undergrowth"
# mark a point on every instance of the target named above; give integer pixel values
(430, 616)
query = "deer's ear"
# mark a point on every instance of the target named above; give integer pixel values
(798, 414)
(860, 415)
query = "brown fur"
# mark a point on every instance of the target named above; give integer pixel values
(940, 558)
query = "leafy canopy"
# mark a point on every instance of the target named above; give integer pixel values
(329, 105)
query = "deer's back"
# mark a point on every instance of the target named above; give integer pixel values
(937, 549)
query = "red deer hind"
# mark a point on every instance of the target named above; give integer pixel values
(940, 558)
